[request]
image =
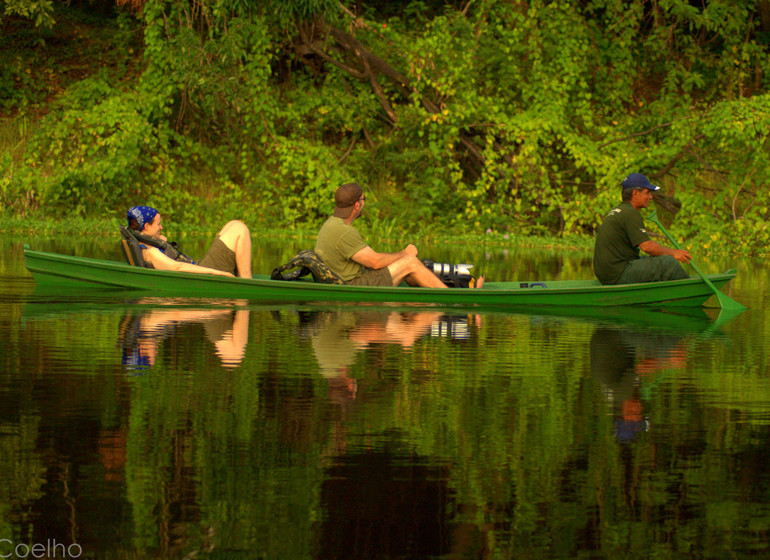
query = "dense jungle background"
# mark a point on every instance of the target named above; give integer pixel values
(510, 117)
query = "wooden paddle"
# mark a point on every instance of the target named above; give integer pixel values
(725, 301)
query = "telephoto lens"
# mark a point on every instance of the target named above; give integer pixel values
(445, 269)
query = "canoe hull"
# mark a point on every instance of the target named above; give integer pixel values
(50, 269)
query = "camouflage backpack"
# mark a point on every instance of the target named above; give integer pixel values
(306, 262)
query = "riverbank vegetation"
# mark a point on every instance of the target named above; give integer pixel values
(485, 117)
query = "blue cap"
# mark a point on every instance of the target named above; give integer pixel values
(638, 181)
(627, 430)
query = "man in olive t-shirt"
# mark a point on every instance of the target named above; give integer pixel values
(342, 248)
(337, 242)
(622, 235)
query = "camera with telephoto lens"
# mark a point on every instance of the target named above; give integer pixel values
(455, 328)
(452, 275)
(445, 269)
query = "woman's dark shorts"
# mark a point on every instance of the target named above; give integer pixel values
(220, 257)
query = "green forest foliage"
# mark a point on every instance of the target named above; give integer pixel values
(517, 117)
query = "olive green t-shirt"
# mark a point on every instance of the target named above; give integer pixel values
(336, 243)
(332, 345)
(617, 242)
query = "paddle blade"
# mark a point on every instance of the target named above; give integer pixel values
(728, 303)
(725, 301)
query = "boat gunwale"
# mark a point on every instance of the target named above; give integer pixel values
(563, 286)
(85, 271)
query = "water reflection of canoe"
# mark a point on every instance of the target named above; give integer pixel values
(63, 270)
(669, 319)
(50, 301)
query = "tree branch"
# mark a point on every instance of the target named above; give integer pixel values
(375, 62)
(735, 198)
(472, 148)
(309, 43)
(347, 152)
(378, 92)
(642, 133)
(373, 66)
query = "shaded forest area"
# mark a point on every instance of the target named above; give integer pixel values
(468, 115)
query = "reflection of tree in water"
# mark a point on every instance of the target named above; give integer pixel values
(383, 505)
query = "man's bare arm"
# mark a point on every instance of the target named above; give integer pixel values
(655, 250)
(370, 258)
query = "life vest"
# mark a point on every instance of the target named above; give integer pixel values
(132, 242)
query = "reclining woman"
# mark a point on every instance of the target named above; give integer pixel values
(228, 255)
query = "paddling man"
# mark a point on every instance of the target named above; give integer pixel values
(229, 254)
(622, 235)
(342, 248)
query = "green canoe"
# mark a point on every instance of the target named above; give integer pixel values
(50, 269)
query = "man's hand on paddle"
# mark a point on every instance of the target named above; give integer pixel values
(682, 255)
(655, 249)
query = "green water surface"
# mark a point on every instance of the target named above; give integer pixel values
(133, 426)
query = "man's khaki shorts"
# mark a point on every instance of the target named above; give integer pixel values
(379, 277)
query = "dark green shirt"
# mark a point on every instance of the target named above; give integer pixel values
(617, 242)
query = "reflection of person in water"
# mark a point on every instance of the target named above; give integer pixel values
(337, 338)
(619, 357)
(140, 335)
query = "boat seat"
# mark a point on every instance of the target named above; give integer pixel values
(132, 252)
(304, 263)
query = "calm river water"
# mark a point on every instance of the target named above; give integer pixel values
(144, 427)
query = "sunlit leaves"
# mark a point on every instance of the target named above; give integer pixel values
(39, 11)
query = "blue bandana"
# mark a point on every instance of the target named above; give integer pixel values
(134, 362)
(142, 214)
